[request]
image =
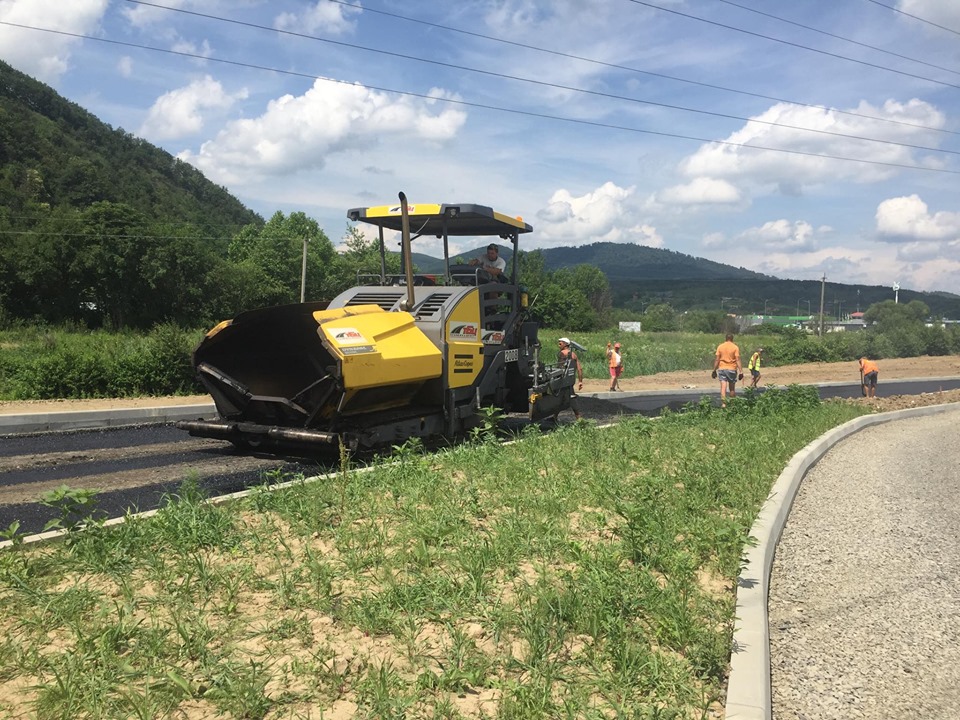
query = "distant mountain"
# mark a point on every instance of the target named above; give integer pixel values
(640, 276)
(624, 261)
(619, 262)
(56, 155)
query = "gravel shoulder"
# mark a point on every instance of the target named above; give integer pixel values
(864, 602)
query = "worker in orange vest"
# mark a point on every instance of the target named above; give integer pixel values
(727, 366)
(615, 362)
(869, 371)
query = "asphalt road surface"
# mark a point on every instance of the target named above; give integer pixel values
(135, 468)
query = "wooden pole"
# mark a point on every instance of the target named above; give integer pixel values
(823, 287)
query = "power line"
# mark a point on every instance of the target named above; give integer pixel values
(915, 17)
(793, 44)
(615, 66)
(483, 106)
(542, 83)
(838, 37)
(143, 236)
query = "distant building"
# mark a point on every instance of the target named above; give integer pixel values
(781, 320)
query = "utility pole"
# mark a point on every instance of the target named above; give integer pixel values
(303, 272)
(823, 287)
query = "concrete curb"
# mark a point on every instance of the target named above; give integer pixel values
(82, 419)
(748, 686)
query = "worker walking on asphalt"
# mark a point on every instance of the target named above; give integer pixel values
(727, 365)
(615, 362)
(869, 371)
(754, 366)
(566, 354)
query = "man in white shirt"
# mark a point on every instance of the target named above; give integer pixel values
(492, 262)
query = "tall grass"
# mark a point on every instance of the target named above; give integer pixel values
(585, 573)
(44, 363)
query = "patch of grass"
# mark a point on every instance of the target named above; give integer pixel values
(43, 362)
(584, 573)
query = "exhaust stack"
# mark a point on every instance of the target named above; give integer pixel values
(407, 252)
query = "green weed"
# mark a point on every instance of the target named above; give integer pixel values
(582, 573)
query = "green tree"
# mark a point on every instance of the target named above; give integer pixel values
(660, 318)
(575, 299)
(888, 314)
(558, 306)
(109, 247)
(590, 281)
(707, 321)
(900, 325)
(532, 270)
(360, 257)
(271, 256)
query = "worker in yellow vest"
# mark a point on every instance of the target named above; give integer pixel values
(754, 366)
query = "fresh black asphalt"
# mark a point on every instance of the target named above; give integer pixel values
(33, 516)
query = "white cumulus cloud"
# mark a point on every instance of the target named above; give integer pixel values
(44, 55)
(782, 235)
(908, 218)
(142, 16)
(180, 112)
(941, 12)
(791, 172)
(323, 16)
(609, 213)
(700, 191)
(776, 236)
(298, 132)
(189, 47)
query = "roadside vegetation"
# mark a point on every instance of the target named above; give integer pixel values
(38, 363)
(43, 362)
(582, 573)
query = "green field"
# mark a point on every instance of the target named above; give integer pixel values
(584, 573)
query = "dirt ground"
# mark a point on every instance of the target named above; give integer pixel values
(890, 369)
(897, 368)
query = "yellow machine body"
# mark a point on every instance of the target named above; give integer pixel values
(405, 356)
(377, 348)
(463, 342)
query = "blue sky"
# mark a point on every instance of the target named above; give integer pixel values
(561, 112)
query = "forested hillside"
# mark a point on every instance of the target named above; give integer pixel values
(773, 296)
(622, 261)
(618, 261)
(100, 228)
(56, 157)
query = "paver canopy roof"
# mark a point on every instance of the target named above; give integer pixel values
(430, 219)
